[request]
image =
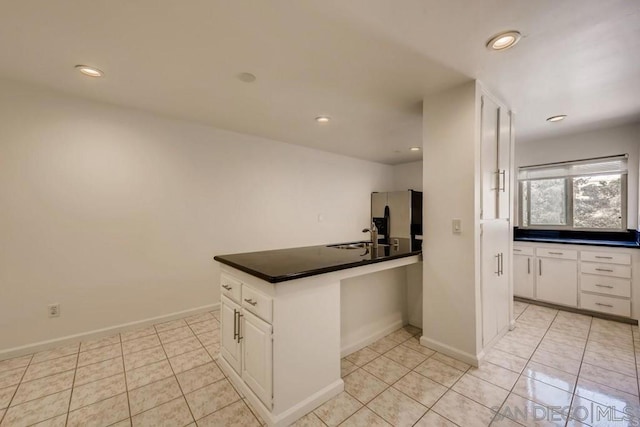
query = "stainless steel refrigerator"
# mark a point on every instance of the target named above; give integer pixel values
(398, 215)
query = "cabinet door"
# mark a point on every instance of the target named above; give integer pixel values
(229, 329)
(557, 281)
(489, 158)
(495, 283)
(504, 164)
(523, 276)
(257, 349)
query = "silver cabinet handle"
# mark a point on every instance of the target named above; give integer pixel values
(227, 287)
(528, 265)
(604, 257)
(517, 250)
(604, 305)
(497, 256)
(539, 267)
(604, 286)
(236, 331)
(250, 301)
(604, 269)
(497, 181)
(501, 263)
(555, 253)
(503, 173)
(239, 327)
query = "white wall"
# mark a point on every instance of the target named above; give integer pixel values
(116, 213)
(407, 176)
(371, 303)
(603, 142)
(451, 291)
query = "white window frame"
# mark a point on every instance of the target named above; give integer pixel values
(569, 198)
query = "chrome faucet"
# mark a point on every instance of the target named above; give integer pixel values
(374, 235)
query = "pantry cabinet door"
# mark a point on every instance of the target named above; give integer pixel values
(489, 158)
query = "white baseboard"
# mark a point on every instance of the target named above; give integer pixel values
(370, 339)
(292, 414)
(463, 356)
(98, 333)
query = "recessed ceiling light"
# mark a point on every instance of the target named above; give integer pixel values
(322, 119)
(557, 118)
(247, 77)
(504, 40)
(414, 148)
(89, 71)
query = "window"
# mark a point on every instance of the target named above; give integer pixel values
(582, 195)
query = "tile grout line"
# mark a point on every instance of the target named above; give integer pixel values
(575, 386)
(225, 379)
(365, 405)
(448, 389)
(184, 397)
(429, 408)
(173, 374)
(16, 390)
(100, 379)
(525, 366)
(514, 384)
(388, 386)
(126, 382)
(72, 386)
(77, 354)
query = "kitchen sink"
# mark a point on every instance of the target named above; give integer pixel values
(354, 245)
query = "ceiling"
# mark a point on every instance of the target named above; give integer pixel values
(365, 63)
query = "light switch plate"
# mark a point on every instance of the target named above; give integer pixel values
(456, 226)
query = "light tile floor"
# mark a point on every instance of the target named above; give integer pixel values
(555, 368)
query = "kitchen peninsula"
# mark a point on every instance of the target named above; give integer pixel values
(280, 321)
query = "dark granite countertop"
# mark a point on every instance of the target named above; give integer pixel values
(289, 264)
(617, 239)
(611, 243)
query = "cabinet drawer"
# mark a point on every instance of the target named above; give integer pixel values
(230, 287)
(606, 285)
(606, 269)
(557, 253)
(257, 303)
(606, 257)
(522, 250)
(619, 307)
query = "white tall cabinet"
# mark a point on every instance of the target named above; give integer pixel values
(467, 169)
(495, 215)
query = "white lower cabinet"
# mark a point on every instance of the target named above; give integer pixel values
(557, 281)
(280, 342)
(595, 280)
(605, 282)
(246, 341)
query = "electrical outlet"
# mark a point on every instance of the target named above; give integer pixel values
(54, 310)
